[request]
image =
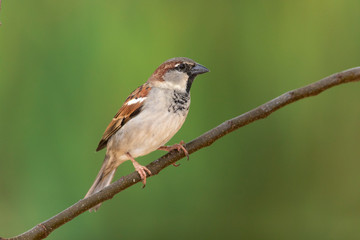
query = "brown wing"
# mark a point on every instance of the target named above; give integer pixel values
(125, 113)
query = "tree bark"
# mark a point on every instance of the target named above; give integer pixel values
(43, 229)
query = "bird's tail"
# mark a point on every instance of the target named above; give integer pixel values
(103, 179)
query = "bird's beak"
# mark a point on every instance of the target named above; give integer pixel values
(198, 69)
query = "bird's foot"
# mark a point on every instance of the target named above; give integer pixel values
(142, 170)
(178, 147)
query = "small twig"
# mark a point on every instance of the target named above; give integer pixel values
(43, 229)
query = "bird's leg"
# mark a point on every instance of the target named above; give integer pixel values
(175, 164)
(142, 170)
(177, 147)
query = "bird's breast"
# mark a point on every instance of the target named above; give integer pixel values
(179, 103)
(161, 117)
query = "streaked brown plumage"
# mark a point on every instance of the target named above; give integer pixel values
(125, 113)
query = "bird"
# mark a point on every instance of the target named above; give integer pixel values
(151, 115)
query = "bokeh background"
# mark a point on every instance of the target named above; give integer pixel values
(67, 66)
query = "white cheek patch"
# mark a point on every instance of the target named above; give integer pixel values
(135, 100)
(175, 80)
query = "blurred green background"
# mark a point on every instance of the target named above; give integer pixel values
(67, 66)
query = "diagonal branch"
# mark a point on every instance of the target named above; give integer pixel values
(43, 229)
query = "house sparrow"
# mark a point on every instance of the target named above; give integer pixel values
(148, 119)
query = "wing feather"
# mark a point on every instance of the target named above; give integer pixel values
(125, 113)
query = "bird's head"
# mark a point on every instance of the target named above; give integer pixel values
(177, 74)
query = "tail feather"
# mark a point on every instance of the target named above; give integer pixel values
(103, 179)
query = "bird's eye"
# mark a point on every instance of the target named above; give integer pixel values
(180, 66)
